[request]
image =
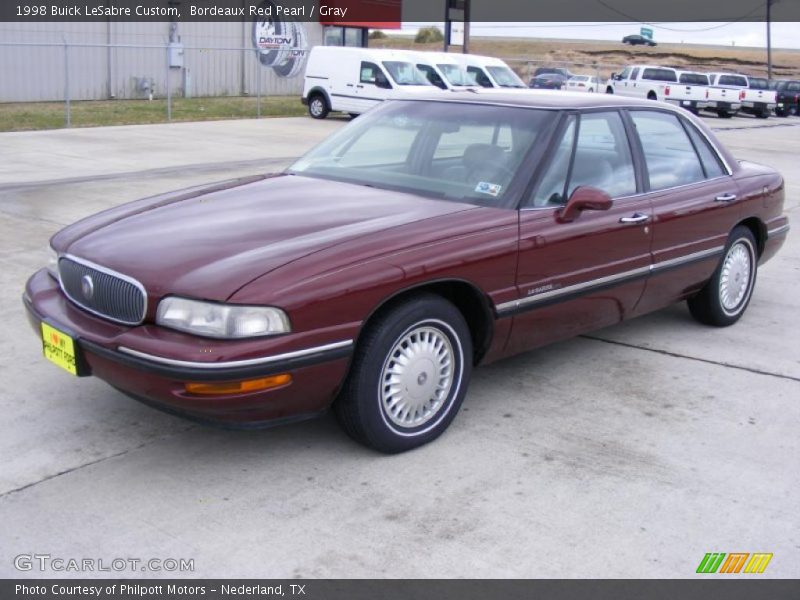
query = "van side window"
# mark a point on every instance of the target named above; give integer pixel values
(370, 73)
(480, 77)
(432, 76)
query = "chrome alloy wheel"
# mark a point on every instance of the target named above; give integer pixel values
(418, 376)
(736, 277)
(317, 106)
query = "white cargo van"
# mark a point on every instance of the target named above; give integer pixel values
(353, 80)
(443, 70)
(489, 72)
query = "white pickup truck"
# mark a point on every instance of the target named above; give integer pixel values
(758, 102)
(660, 83)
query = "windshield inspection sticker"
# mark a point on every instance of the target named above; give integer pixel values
(493, 189)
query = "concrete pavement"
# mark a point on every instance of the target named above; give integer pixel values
(628, 453)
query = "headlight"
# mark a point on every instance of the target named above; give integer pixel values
(52, 262)
(220, 320)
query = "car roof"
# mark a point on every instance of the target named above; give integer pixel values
(529, 98)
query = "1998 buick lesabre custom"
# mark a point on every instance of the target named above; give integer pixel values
(426, 237)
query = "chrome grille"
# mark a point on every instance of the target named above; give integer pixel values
(102, 292)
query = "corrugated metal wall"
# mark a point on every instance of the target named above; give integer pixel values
(219, 60)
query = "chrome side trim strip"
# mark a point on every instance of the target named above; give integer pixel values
(673, 262)
(264, 360)
(778, 230)
(609, 279)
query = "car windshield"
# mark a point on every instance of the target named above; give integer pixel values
(505, 77)
(404, 73)
(466, 153)
(456, 75)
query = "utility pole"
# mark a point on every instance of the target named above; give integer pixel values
(769, 40)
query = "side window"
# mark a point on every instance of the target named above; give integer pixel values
(603, 156)
(431, 75)
(551, 188)
(480, 77)
(635, 73)
(668, 152)
(625, 73)
(370, 72)
(602, 160)
(708, 156)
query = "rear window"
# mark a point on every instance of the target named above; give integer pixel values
(736, 80)
(758, 83)
(659, 75)
(693, 79)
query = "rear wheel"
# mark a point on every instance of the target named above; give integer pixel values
(409, 376)
(724, 114)
(725, 297)
(609, 90)
(763, 114)
(652, 96)
(318, 106)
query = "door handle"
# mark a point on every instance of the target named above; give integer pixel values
(725, 198)
(349, 85)
(635, 218)
(359, 86)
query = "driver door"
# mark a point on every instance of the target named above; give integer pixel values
(372, 88)
(582, 275)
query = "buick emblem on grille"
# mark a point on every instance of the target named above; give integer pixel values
(87, 287)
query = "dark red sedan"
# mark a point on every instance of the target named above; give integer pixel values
(424, 238)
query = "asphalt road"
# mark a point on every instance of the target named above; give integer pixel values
(630, 452)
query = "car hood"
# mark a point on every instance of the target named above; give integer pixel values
(210, 244)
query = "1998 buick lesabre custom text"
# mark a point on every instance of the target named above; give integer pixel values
(426, 237)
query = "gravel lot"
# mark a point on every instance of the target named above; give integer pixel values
(627, 453)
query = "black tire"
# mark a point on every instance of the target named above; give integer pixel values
(317, 106)
(763, 114)
(609, 90)
(724, 114)
(353, 115)
(793, 111)
(708, 306)
(363, 406)
(779, 112)
(652, 96)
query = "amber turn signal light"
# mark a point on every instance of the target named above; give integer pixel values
(238, 387)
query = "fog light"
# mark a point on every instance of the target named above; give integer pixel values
(238, 387)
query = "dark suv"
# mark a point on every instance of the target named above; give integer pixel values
(638, 40)
(787, 97)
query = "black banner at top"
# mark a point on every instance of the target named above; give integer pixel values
(377, 11)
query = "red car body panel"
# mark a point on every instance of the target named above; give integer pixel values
(331, 254)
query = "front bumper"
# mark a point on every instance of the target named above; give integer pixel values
(153, 364)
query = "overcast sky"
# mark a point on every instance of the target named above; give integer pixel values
(784, 35)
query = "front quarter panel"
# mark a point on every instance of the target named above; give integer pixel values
(344, 285)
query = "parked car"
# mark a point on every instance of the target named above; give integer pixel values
(787, 97)
(353, 80)
(549, 81)
(691, 91)
(553, 70)
(422, 239)
(759, 100)
(489, 72)
(638, 40)
(583, 83)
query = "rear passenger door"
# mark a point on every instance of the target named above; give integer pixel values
(586, 274)
(694, 204)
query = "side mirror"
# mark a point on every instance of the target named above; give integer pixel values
(614, 77)
(583, 198)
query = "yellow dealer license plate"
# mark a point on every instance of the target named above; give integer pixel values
(59, 348)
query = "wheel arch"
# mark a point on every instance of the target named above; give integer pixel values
(759, 231)
(467, 297)
(322, 92)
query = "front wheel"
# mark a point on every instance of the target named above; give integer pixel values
(409, 376)
(725, 297)
(318, 107)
